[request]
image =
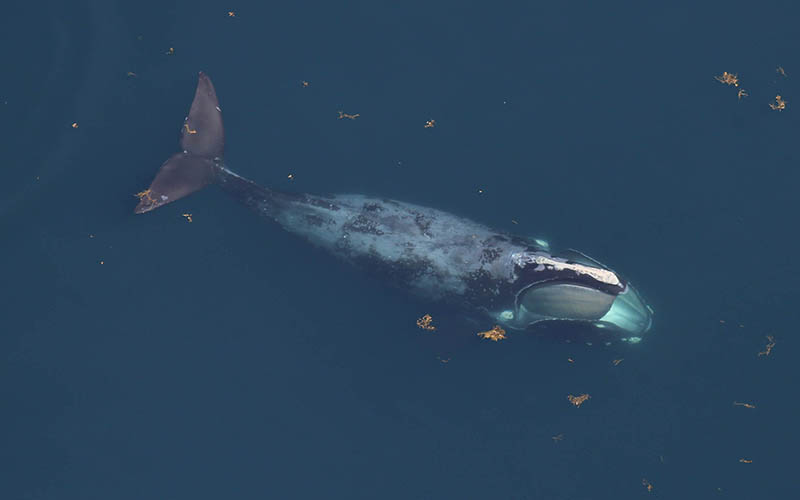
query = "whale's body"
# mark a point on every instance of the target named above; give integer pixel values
(433, 254)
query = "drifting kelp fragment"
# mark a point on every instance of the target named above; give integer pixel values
(496, 333)
(779, 104)
(768, 349)
(145, 195)
(578, 400)
(728, 78)
(425, 322)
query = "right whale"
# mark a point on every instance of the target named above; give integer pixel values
(517, 282)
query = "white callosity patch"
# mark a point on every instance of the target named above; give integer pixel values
(507, 315)
(523, 259)
(542, 243)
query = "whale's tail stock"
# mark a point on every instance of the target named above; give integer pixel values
(202, 145)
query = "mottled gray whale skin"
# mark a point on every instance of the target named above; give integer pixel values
(436, 256)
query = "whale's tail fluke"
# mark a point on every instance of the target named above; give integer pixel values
(203, 144)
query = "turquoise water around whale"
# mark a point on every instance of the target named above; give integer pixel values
(149, 356)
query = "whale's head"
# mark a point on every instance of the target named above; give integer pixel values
(571, 287)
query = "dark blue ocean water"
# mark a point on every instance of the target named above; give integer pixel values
(149, 357)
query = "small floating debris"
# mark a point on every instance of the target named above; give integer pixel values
(728, 78)
(779, 104)
(496, 333)
(425, 322)
(768, 349)
(578, 400)
(147, 194)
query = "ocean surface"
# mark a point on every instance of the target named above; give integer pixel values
(150, 356)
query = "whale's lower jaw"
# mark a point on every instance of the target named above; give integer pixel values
(628, 317)
(629, 313)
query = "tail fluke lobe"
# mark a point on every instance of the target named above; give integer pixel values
(203, 133)
(181, 175)
(202, 142)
